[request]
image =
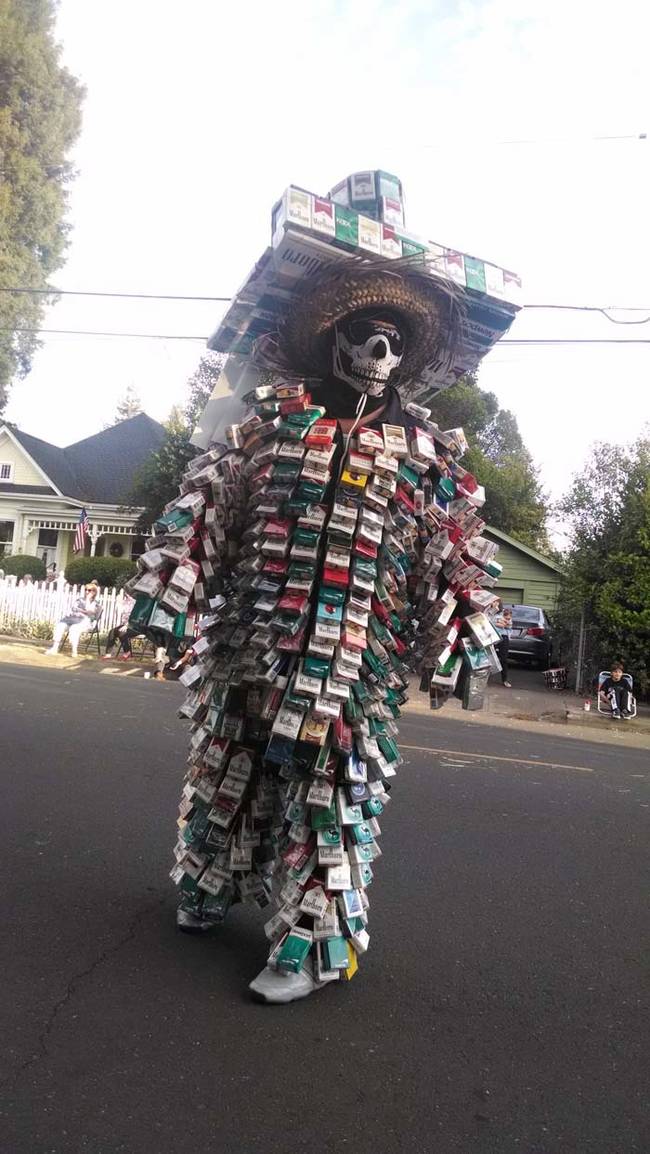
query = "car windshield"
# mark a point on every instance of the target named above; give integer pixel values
(526, 613)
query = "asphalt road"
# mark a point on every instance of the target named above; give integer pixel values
(500, 1008)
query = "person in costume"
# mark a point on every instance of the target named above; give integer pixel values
(325, 544)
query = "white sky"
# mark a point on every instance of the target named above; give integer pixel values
(198, 115)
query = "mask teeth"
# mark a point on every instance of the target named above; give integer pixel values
(372, 385)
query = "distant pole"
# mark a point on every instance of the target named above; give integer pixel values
(581, 651)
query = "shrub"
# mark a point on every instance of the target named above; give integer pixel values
(34, 630)
(22, 563)
(111, 571)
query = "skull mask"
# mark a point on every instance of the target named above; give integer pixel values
(368, 347)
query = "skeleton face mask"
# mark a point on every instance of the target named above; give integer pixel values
(368, 347)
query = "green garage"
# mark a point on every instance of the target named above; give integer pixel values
(528, 578)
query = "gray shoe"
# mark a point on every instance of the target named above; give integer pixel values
(191, 924)
(274, 987)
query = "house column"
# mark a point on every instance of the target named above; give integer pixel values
(94, 538)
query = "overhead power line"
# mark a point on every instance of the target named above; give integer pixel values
(96, 333)
(52, 292)
(192, 337)
(603, 310)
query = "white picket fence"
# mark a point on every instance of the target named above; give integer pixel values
(21, 604)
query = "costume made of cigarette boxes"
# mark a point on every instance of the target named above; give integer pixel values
(326, 543)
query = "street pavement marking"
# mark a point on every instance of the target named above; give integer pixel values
(493, 757)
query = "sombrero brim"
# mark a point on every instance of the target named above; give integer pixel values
(427, 307)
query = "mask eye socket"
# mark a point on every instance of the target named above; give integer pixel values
(358, 330)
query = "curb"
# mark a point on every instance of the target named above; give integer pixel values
(596, 722)
(37, 660)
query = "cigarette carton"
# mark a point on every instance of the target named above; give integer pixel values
(347, 226)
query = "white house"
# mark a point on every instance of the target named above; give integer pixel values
(43, 489)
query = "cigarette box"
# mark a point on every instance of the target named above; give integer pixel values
(323, 218)
(294, 951)
(346, 226)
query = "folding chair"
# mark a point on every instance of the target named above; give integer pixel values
(139, 645)
(628, 680)
(87, 637)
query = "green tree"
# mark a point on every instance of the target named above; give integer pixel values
(159, 478)
(498, 459)
(607, 511)
(40, 117)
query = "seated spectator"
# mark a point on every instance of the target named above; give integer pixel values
(616, 693)
(121, 635)
(501, 619)
(83, 615)
(176, 654)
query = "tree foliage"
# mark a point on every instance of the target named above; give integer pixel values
(498, 459)
(19, 564)
(159, 478)
(607, 510)
(129, 406)
(40, 117)
(106, 571)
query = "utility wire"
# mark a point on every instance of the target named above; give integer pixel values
(203, 339)
(127, 296)
(604, 311)
(95, 333)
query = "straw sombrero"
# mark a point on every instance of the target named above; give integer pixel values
(427, 307)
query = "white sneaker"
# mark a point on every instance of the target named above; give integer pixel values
(273, 986)
(50, 652)
(191, 924)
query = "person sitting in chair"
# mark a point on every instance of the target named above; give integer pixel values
(83, 615)
(616, 692)
(121, 633)
(502, 621)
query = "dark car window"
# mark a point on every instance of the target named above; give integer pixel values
(527, 614)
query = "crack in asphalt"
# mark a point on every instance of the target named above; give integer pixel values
(72, 987)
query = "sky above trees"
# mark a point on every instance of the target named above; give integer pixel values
(193, 125)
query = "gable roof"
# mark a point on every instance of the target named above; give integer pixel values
(100, 468)
(106, 464)
(50, 459)
(523, 548)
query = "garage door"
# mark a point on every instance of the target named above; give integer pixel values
(510, 596)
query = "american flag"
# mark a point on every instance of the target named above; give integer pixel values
(82, 532)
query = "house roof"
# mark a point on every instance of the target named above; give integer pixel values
(50, 460)
(100, 468)
(33, 490)
(507, 540)
(107, 463)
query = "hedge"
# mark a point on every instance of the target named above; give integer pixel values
(21, 563)
(106, 571)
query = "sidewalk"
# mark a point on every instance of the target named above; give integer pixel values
(527, 703)
(20, 651)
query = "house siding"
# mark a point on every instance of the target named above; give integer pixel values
(24, 472)
(538, 584)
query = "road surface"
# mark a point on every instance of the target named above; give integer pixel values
(500, 1008)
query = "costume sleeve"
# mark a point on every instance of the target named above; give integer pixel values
(454, 575)
(187, 565)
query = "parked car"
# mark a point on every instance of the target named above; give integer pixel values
(530, 635)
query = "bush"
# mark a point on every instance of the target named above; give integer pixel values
(111, 571)
(22, 563)
(34, 630)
